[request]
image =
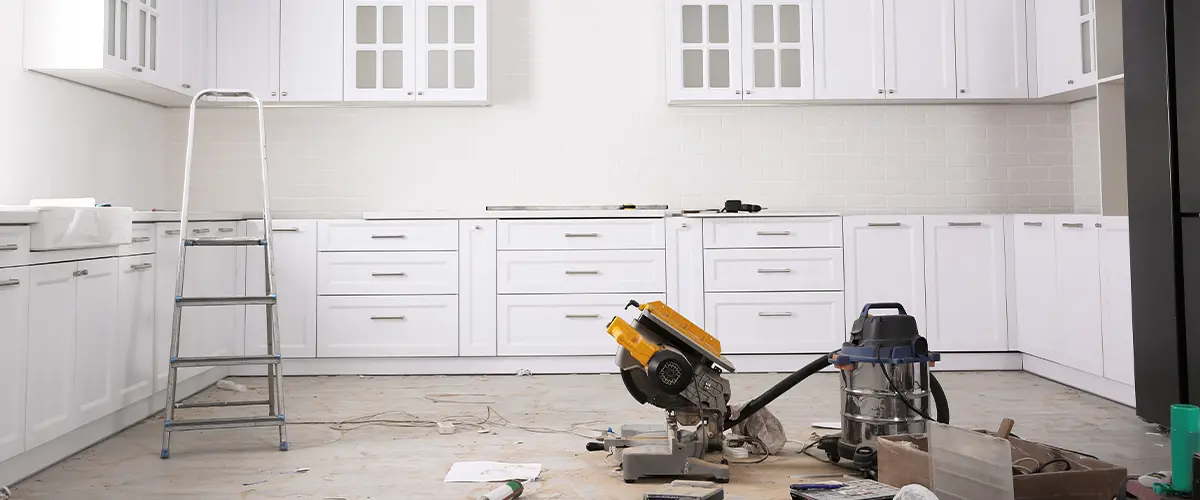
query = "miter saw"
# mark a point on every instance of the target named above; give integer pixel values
(671, 363)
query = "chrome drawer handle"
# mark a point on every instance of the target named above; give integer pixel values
(379, 275)
(285, 229)
(583, 316)
(377, 318)
(141, 239)
(1076, 225)
(775, 314)
(883, 224)
(1033, 224)
(12, 282)
(592, 271)
(170, 232)
(388, 236)
(225, 230)
(81, 272)
(774, 233)
(582, 235)
(964, 224)
(142, 266)
(774, 271)
(9, 247)
(200, 231)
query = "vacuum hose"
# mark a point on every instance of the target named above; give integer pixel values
(764, 399)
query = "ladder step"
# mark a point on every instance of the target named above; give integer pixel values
(222, 404)
(225, 361)
(224, 301)
(233, 241)
(222, 423)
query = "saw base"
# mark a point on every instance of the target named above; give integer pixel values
(649, 451)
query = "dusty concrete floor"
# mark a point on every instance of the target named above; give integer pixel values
(394, 462)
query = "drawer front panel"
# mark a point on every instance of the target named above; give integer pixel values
(143, 240)
(582, 271)
(773, 270)
(773, 232)
(581, 234)
(357, 327)
(387, 273)
(365, 236)
(776, 323)
(556, 325)
(14, 246)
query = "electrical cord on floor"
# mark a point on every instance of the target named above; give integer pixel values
(892, 385)
(1042, 467)
(760, 443)
(1058, 448)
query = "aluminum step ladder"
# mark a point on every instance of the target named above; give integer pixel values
(272, 359)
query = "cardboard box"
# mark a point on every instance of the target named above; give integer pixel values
(904, 459)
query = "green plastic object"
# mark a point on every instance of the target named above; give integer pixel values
(1185, 442)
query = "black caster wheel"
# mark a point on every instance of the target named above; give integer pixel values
(833, 457)
(724, 461)
(630, 481)
(721, 480)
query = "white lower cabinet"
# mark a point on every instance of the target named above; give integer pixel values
(548, 325)
(295, 283)
(133, 348)
(1036, 284)
(885, 262)
(1078, 342)
(685, 268)
(70, 361)
(776, 323)
(387, 326)
(14, 334)
(965, 280)
(1116, 314)
(166, 258)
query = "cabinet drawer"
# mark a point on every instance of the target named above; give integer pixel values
(387, 273)
(775, 323)
(773, 270)
(358, 327)
(347, 235)
(580, 234)
(537, 325)
(582, 271)
(14, 246)
(143, 241)
(773, 232)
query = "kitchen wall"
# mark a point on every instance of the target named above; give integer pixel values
(60, 139)
(1085, 156)
(579, 117)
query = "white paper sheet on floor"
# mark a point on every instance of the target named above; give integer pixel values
(488, 472)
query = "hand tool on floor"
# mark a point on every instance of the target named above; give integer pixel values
(194, 239)
(671, 363)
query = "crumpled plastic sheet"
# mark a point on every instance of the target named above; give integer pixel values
(765, 429)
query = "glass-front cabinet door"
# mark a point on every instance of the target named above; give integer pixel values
(453, 46)
(777, 48)
(380, 60)
(705, 57)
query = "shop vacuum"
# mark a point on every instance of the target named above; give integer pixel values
(669, 362)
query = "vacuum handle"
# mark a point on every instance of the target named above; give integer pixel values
(882, 305)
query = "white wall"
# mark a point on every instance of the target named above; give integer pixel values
(60, 139)
(579, 117)
(1085, 155)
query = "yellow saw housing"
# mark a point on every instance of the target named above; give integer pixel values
(642, 349)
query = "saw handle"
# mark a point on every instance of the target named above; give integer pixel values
(633, 303)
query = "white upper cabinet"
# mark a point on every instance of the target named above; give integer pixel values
(129, 47)
(1065, 45)
(848, 37)
(194, 44)
(919, 49)
(777, 51)
(310, 50)
(418, 51)
(991, 48)
(247, 36)
(704, 59)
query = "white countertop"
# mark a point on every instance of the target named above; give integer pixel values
(18, 215)
(764, 213)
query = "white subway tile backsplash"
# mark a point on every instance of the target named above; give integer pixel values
(967, 187)
(1008, 187)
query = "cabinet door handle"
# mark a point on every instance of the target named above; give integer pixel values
(1070, 82)
(12, 282)
(738, 92)
(590, 271)
(388, 236)
(775, 314)
(775, 271)
(1075, 225)
(1033, 224)
(583, 316)
(891, 91)
(1099, 224)
(225, 230)
(283, 94)
(187, 85)
(141, 239)
(962, 91)
(383, 275)
(964, 224)
(171, 232)
(8, 247)
(81, 272)
(200, 231)
(582, 235)
(880, 91)
(774, 233)
(377, 318)
(137, 69)
(273, 94)
(285, 229)
(420, 92)
(883, 224)
(141, 267)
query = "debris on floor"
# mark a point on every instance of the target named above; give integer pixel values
(687, 490)
(506, 491)
(229, 385)
(298, 470)
(252, 483)
(489, 472)
(524, 372)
